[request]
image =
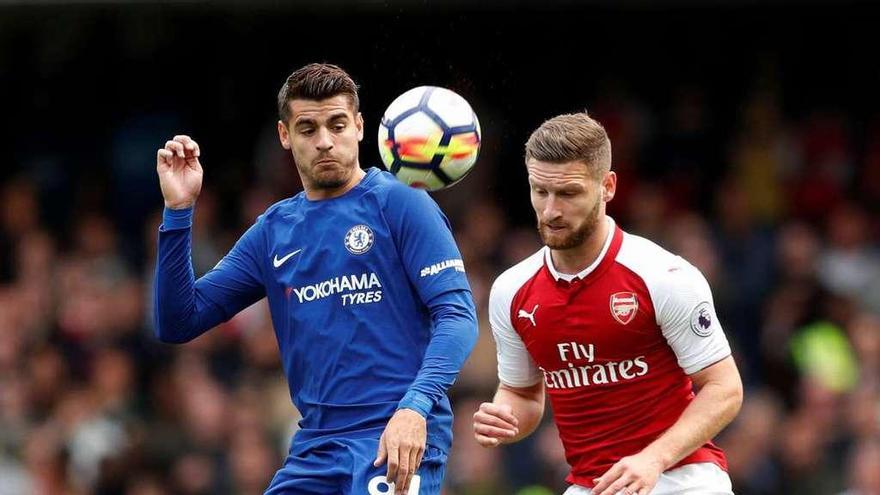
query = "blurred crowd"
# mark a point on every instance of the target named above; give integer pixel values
(781, 213)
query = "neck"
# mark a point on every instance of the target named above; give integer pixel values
(576, 259)
(317, 194)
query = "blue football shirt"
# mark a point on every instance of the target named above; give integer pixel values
(368, 297)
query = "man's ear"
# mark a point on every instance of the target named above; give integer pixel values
(283, 135)
(609, 186)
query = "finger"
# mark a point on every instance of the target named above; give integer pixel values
(618, 486)
(413, 467)
(485, 441)
(393, 462)
(404, 473)
(189, 144)
(382, 454)
(190, 147)
(164, 156)
(635, 489)
(604, 481)
(503, 411)
(489, 419)
(615, 489)
(176, 147)
(418, 464)
(182, 139)
(492, 431)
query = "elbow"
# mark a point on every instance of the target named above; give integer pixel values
(168, 337)
(474, 332)
(737, 398)
(471, 334)
(169, 333)
(171, 339)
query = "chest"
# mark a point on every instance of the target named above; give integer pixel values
(342, 254)
(607, 319)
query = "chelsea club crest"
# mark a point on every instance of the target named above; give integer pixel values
(359, 239)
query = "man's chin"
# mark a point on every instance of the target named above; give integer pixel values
(331, 179)
(556, 241)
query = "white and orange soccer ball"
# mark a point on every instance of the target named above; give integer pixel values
(429, 138)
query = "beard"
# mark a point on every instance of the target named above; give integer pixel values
(329, 176)
(577, 237)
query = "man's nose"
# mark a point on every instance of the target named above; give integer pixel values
(324, 141)
(551, 209)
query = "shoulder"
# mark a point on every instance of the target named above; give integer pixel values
(514, 278)
(657, 267)
(647, 259)
(392, 192)
(281, 209)
(672, 281)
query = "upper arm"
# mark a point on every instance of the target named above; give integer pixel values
(723, 373)
(236, 281)
(424, 240)
(686, 315)
(516, 368)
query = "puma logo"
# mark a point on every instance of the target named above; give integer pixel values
(530, 316)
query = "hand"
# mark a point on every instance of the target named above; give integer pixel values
(180, 173)
(494, 423)
(632, 475)
(402, 444)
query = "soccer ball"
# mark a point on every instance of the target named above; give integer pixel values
(429, 138)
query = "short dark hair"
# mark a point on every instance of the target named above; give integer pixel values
(316, 82)
(569, 138)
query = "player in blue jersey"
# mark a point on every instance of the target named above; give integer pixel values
(368, 297)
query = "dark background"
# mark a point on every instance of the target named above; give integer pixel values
(745, 138)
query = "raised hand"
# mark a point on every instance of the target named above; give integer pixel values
(180, 173)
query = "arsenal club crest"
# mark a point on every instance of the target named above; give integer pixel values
(624, 306)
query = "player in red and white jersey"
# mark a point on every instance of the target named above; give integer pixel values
(617, 331)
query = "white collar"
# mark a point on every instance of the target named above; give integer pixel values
(586, 271)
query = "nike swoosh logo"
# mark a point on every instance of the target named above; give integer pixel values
(280, 261)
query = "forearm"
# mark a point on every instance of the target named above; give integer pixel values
(527, 405)
(713, 408)
(452, 339)
(179, 317)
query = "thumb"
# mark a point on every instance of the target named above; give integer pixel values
(382, 454)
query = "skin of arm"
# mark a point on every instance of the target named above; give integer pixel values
(718, 400)
(513, 414)
(716, 403)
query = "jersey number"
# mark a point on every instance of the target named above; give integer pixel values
(380, 486)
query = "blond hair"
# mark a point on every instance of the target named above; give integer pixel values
(572, 137)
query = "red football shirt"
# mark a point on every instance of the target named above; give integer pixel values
(613, 345)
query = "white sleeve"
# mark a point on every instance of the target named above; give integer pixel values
(686, 315)
(515, 366)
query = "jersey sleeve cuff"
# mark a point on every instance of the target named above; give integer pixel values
(705, 363)
(416, 401)
(177, 219)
